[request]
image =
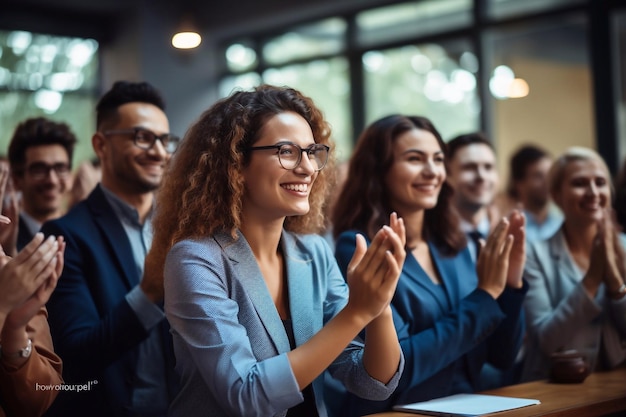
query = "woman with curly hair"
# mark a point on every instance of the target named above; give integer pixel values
(257, 305)
(451, 315)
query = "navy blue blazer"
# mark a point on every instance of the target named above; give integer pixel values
(94, 329)
(446, 333)
(24, 236)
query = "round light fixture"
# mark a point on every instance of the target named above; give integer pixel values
(186, 40)
(518, 88)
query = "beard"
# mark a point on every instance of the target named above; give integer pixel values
(538, 200)
(134, 183)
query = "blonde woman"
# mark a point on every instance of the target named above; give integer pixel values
(577, 296)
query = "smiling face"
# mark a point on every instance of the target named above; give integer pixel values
(126, 167)
(585, 191)
(417, 173)
(473, 176)
(42, 195)
(272, 192)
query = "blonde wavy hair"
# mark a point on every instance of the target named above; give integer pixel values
(556, 174)
(203, 185)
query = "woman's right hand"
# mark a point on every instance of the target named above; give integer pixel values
(492, 265)
(609, 254)
(373, 272)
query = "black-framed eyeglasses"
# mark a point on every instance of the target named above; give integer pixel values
(145, 139)
(41, 170)
(290, 154)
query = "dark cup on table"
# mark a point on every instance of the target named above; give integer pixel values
(569, 366)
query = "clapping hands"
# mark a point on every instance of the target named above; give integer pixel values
(502, 256)
(27, 281)
(607, 257)
(373, 271)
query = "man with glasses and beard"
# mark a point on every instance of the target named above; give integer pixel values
(106, 314)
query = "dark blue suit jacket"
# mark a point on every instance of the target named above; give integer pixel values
(23, 234)
(93, 327)
(444, 341)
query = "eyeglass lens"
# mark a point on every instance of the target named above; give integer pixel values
(290, 155)
(40, 170)
(146, 139)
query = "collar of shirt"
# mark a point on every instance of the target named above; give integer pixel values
(483, 226)
(122, 209)
(139, 235)
(32, 224)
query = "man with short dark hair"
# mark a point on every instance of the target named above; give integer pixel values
(472, 173)
(473, 176)
(529, 186)
(106, 314)
(40, 156)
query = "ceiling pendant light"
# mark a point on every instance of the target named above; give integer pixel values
(186, 40)
(187, 36)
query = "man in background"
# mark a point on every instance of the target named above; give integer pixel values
(40, 158)
(529, 187)
(473, 176)
(106, 315)
(472, 173)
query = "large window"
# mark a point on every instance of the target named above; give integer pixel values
(408, 20)
(519, 70)
(307, 41)
(433, 80)
(511, 8)
(540, 86)
(49, 76)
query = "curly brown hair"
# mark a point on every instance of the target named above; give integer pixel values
(203, 186)
(364, 202)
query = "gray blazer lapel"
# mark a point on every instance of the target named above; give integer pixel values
(298, 267)
(561, 259)
(249, 274)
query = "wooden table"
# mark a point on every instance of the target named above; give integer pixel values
(600, 394)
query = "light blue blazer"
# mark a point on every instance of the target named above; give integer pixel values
(230, 343)
(561, 315)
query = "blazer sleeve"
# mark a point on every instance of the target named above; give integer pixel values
(206, 318)
(450, 337)
(504, 344)
(92, 338)
(19, 389)
(552, 322)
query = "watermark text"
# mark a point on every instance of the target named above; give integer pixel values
(66, 387)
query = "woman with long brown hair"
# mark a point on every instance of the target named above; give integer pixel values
(257, 305)
(451, 315)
